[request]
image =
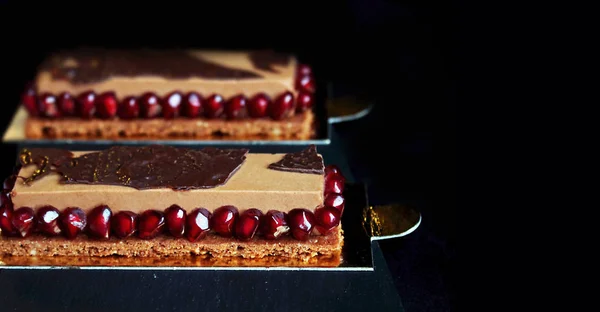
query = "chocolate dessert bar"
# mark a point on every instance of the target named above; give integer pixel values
(160, 200)
(171, 94)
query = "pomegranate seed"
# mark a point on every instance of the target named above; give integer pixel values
(273, 224)
(86, 107)
(192, 105)
(5, 198)
(47, 220)
(197, 224)
(304, 70)
(98, 220)
(72, 221)
(223, 220)
(124, 223)
(305, 101)
(327, 219)
(150, 224)
(301, 223)
(336, 201)
(129, 108)
(306, 83)
(30, 100)
(66, 104)
(214, 106)
(247, 224)
(259, 105)
(175, 217)
(23, 220)
(172, 104)
(236, 107)
(332, 169)
(334, 184)
(150, 105)
(6, 212)
(282, 106)
(49, 106)
(106, 105)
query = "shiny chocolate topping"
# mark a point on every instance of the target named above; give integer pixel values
(266, 59)
(95, 65)
(305, 161)
(153, 166)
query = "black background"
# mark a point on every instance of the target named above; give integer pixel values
(402, 54)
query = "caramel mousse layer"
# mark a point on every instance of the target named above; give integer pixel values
(253, 185)
(132, 73)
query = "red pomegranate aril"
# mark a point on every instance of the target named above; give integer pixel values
(223, 220)
(334, 184)
(192, 105)
(129, 108)
(282, 106)
(214, 106)
(332, 169)
(30, 100)
(23, 221)
(98, 220)
(66, 104)
(305, 101)
(86, 104)
(106, 105)
(72, 221)
(327, 219)
(336, 201)
(150, 105)
(236, 107)
(306, 83)
(124, 223)
(258, 105)
(150, 224)
(247, 224)
(175, 217)
(172, 105)
(273, 224)
(301, 222)
(197, 224)
(6, 211)
(5, 198)
(304, 70)
(49, 106)
(47, 220)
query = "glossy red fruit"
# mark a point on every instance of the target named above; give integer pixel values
(86, 104)
(30, 100)
(175, 217)
(171, 105)
(273, 224)
(47, 220)
(66, 104)
(106, 105)
(6, 211)
(5, 198)
(301, 222)
(304, 70)
(23, 221)
(197, 224)
(334, 183)
(327, 219)
(124, 223)
(332, 169)
(129, 108)
(236, 107)
(258, 105)
(336, 201)
(72, 221)
(282, 106)
(192, 105)
(305, 101)
(306, 83)
(214, 106)
(223, 220)
(48, 106)
(247, 224)
(150, 105)
(98, 220)
(150, 224)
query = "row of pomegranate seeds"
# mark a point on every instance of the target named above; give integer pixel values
(305, 80)
(225, 221)
(106, 106)
(334, 187)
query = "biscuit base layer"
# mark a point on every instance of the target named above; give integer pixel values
(298, 127)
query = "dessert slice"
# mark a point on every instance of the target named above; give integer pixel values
(170, 94)
(165, 201)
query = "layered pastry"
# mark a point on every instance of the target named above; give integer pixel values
(171, 94)
(158, 201)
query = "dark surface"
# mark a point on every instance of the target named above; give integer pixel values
(401, 54)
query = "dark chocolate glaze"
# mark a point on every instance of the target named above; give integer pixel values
(305, 161)
(95, 65)
(265, 59)
(44, 159)
(153, 166)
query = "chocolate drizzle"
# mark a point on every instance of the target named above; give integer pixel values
(305, 161)
(153, 166)
(266, 59)
(94, 65)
